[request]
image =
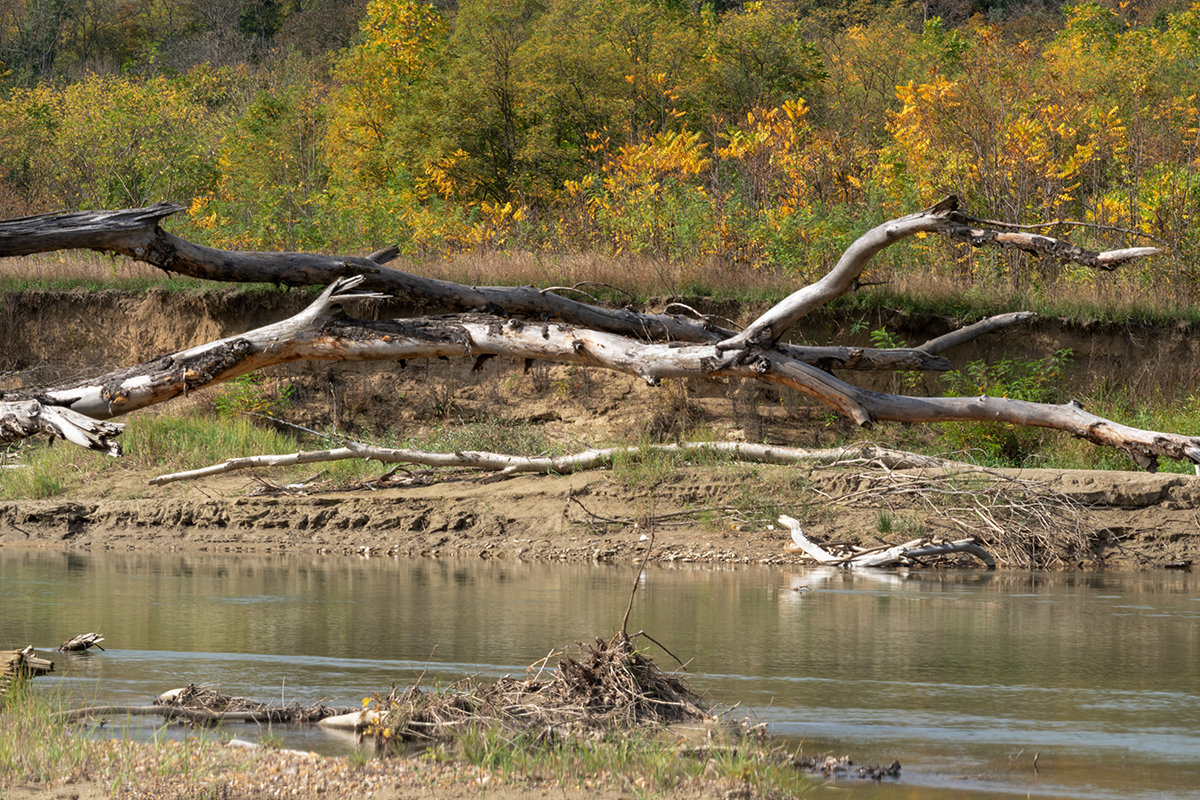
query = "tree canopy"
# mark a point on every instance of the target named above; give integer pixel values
(718, 134)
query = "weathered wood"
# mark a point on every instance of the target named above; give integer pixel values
(17, 665)
(615, 339)
(942, 218)
(81, 642)
(136, 233)
(25, 418)
(193, 715)
(502, 464)
(968, 333)
(322, 332)
(881, 557)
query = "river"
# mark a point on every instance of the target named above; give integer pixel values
(1082, 685)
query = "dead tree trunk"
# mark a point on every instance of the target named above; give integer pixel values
(17, 665)
(652, 347)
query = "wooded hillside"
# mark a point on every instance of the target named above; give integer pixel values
(720, 136)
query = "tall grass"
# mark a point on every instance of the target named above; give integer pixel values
(641, 762)
(912, 279)
(37, 746)
(33, 747)
(166, 442)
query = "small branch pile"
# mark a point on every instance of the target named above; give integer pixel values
(1024, 522)
(204, 700)
(610, 685)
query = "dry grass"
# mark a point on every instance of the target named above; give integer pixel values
(625, 277)
(640, 276)
(76, 267)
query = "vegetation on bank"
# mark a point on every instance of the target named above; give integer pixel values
(37, 747)
(714, 140)
(225, 426)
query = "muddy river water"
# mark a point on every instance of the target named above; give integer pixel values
(981, 685)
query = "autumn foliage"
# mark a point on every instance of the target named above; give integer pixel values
(715, 135)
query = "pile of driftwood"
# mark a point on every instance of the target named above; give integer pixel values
(17, 665)
(608, 685)
(201, 705)
(883, 556)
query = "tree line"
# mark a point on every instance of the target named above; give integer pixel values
(727, 135)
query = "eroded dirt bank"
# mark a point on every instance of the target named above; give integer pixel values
(1129, 519)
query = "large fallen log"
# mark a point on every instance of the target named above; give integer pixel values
(618, 339)
(137, 233)
(503, 464)
(323, 332)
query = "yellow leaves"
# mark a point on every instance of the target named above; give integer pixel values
(673, 154)
(400, 32)
(440, 175)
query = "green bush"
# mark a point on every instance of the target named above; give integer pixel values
(1003, 444)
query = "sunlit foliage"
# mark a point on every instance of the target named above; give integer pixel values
(756, 135)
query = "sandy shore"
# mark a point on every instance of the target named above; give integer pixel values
(699, 514)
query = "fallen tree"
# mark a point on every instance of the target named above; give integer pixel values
(525, 323)
(883, 556)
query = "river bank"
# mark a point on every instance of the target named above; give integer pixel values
(715, 514)
(698, 512)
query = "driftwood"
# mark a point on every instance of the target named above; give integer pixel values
(652, 347)
(81, 642)
(887, 556)
(323, 332)
(200, 705)
(194, 716)
(22, 419)
(502, 465)
(16, 665)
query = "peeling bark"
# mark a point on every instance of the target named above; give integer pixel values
(652, 347)
(21, 419)
(322, 332)
(943, 219)
(884, 556)
(502, 464)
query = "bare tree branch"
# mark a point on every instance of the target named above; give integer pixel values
(136, 233)
(943, 219)
(882, 557)
(322, 332)
(969, 332)
(504, 464)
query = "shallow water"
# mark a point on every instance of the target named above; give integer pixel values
(963, 676)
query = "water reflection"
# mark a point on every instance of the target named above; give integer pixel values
(953, 673)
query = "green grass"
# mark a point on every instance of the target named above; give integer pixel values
(33, 747)
(167, 442)
(37, 746)
(640, 762)
(1176, 413)
(497, 435)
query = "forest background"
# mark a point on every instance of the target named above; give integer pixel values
(716, 140)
